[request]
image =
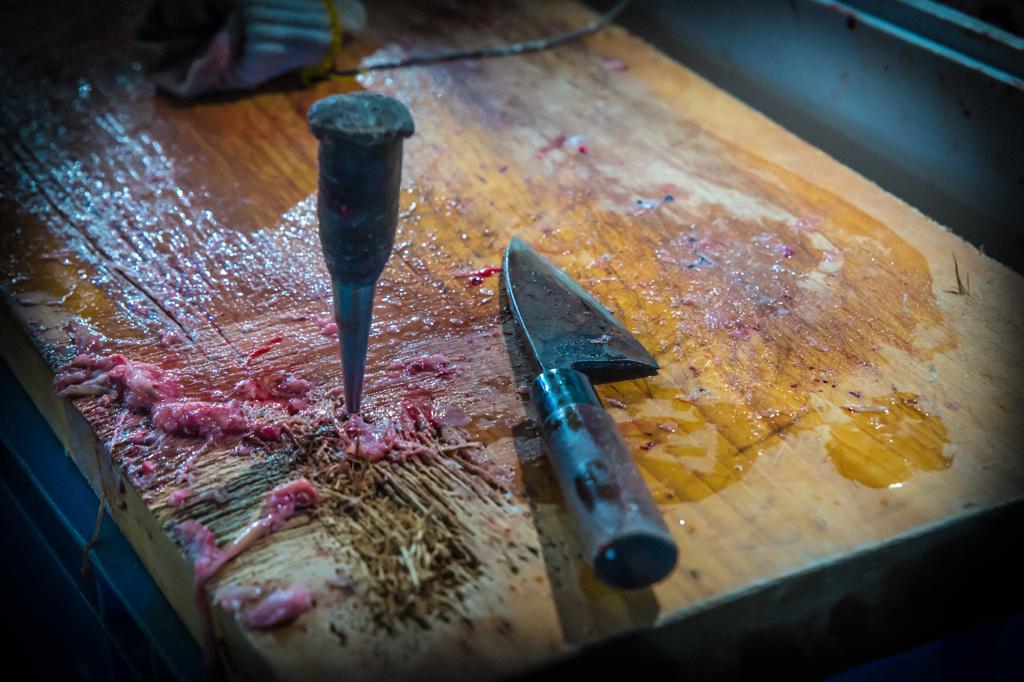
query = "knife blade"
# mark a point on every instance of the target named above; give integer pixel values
(575, 342)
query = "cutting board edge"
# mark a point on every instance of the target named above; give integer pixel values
(154, 547)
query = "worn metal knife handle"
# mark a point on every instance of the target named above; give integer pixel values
(626, 541)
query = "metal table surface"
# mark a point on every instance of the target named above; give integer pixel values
(919, 98)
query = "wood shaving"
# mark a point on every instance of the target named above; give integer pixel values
(400, 517)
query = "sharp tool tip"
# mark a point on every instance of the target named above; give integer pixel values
(353, 310)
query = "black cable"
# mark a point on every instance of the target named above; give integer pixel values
(500, 51)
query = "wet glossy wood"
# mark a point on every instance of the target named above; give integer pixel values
(825, 388)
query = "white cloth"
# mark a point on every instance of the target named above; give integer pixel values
(191, 47)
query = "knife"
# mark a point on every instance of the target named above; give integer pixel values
(576, 342)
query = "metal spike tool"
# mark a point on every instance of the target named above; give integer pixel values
(360, 160)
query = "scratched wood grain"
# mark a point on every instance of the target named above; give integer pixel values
(826, 385)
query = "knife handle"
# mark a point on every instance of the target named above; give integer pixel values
(626, 541)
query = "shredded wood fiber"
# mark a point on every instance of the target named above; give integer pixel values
(401, 511)
(401, 517)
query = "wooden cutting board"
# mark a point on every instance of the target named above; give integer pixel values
(834, 389)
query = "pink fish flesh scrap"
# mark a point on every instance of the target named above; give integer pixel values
(201, 546)
(279, 607)
(233, 597)
(395, 439)
(291, 390)
(327, 327)
(369, 441)
(200, 418)
(141, 385)
(137, 383)
(282, 606)
(85, 338)
(281, 505)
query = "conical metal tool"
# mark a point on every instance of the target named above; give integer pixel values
(360, 176)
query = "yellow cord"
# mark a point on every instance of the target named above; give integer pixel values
(318, 72)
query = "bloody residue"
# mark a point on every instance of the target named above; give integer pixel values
(417, 411)
(555, 143)
(265, 348)
(285, 499)
(390, 439)
(281, 505)
(477, 278)
(737, 286)
(368, 441)
(201, 547)
(269, 388)
(439, 364)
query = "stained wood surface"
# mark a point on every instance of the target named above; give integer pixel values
(827, 389)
